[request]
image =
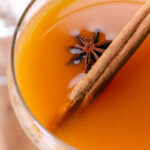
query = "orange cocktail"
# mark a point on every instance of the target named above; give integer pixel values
(118, 118)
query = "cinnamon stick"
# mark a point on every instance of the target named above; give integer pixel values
(116, 55)
(119, 60)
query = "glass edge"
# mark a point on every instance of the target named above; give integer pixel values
(12, 68)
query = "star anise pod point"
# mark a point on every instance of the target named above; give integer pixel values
(90, 50)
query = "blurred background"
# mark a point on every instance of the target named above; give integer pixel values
(12, 136)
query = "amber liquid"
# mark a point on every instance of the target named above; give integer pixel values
(119, 118)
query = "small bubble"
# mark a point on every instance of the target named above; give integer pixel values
(76, 62)
(76, 79)
(110, 36)
(75, 51)
(95, 28)
(75, 33)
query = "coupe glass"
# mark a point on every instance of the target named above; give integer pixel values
(42, 138)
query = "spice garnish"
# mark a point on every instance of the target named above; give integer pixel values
(90, 50)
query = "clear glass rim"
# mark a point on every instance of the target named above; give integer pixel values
(12, 68)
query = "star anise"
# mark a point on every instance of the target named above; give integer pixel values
(90, 50)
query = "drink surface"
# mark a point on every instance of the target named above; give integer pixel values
(119, 117)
